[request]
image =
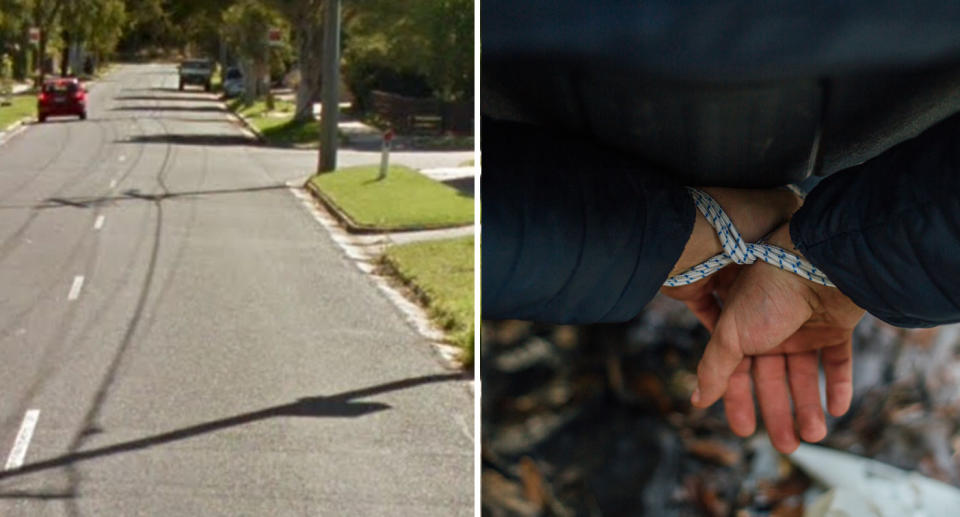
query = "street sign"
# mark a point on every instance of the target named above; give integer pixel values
(34, 35)
(275, 37)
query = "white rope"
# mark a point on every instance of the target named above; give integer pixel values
(735, 250)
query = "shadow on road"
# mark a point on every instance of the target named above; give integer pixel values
(190, 139)
(167, 107)
(340, 405)
(184, 97)
(59, 119)
(134, 195)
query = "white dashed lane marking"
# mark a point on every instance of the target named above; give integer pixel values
(99, 222)
(22, 442)
(75, 288)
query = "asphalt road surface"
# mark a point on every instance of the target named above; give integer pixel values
(178, 336)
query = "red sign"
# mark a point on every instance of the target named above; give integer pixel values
(34, 35)
(275, 37)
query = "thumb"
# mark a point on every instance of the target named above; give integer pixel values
(706, 309)
(720, 359)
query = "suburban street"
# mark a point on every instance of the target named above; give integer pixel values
(183, 338)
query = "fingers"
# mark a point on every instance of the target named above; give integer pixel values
(738, 401)
(720, 358)
(773, 397)
(838, 368)
(803, 374)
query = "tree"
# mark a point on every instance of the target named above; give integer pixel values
(95, 24)
(14, 20)
(107, 27)
(429, 38)
(306, 18)
(448, 28)
(147, 26)
(245, 27)
(45, 14)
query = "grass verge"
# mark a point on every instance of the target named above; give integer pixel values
(23, 105)
(278, 126)
(405, 200)
(440, 273)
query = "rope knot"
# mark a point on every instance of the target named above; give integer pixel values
(738, 251)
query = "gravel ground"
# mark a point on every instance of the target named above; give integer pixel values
(595, 420)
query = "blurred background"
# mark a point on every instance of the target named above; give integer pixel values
(595, 420)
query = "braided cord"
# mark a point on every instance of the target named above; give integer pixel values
(736, 250)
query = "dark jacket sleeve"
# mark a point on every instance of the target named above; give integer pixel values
(887, 232)
(572, 233)
(723, 39)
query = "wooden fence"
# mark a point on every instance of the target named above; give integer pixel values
(419, 116)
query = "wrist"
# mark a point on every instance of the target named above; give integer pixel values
(755, 212)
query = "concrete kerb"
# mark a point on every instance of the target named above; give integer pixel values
(16, 125)
(248, 125)
(345, 220)
(352, 226)
(257, 134)
(366, 253)
(14, 129)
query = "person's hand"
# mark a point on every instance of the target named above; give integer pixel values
(772, 326)
(755, 213)
(704, 298)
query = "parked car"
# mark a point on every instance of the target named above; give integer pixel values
(63, 96)
(233, 85)
(196, 71)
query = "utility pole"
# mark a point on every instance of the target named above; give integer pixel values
(331, 86)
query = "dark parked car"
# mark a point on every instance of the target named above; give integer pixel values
(196, 71)
(64, 96)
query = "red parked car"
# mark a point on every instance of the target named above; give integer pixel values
(64, 96)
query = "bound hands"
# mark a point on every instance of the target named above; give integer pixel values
(771, 329)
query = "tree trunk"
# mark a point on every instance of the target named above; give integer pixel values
(251, 80)
(65, 53)
(310, 44)
(41, 59)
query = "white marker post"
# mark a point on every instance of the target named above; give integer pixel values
(385, 154)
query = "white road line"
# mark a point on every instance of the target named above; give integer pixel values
(122, 158)
(464, 428)
(75, 288)
(20, 445)
(113, 183)
(99, 222)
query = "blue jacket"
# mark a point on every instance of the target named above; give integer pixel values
(586, 146)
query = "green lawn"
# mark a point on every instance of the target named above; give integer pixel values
(24, 105)
(441, 275)
(405, 200)
(278, 126)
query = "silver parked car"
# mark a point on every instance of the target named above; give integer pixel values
(233, 82)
